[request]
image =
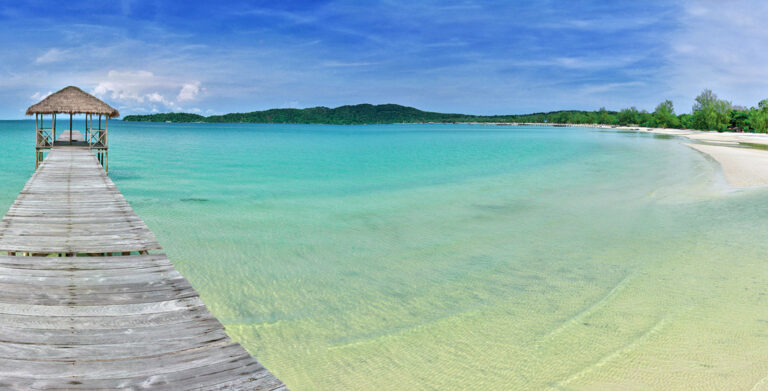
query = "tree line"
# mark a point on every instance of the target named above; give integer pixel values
(708, 113)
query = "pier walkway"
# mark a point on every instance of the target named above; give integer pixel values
(85, 305)
(64, 137)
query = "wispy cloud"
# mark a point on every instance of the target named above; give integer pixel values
(189, 91)
(344, 64)
(52, 55)
(132, 88)
(721, 46)
(444, 55)
(610, 87)
(37, 96)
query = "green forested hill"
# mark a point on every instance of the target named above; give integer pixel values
(372, 114)
(709, 113)
(357, 114)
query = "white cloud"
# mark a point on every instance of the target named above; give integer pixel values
(155, 97)
(592, 62)
(343, 64)
(189, 91)
(40, 96)
(125, 86)
(52, 55)
(721, 46)
(128, 89)
(611, 87)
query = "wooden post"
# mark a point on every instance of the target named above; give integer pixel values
(70, 128)
(37, 140)
(106, 144)
(53, 128)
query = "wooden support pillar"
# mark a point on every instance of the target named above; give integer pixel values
(106, 145)
(70, 128)
(38, 125)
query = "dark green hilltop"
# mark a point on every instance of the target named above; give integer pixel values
(709, 113)
(366, 114)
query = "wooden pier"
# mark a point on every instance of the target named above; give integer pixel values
(84, 304)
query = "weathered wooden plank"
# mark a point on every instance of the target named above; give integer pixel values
(158, 342)
(260, 380)
(158, 319)
(85, 263)
(69, 205)
(102, 322)
(217, 354)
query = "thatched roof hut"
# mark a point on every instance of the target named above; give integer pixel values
(72, 100)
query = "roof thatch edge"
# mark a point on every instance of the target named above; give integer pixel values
(72, 100)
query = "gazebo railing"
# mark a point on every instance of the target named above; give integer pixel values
(97, 138)
(45, 136)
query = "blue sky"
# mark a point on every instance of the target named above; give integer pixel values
(479, 57)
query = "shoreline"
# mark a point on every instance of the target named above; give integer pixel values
(743, 157)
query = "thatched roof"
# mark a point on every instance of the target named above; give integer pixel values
(72, 100)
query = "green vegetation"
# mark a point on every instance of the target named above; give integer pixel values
(344, 115)
(166, 117)
(709, 113)
(758, 117)
(375, 114)
(664, 115)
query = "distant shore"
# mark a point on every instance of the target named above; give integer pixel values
(742, 156)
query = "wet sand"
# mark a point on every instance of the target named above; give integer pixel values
(743, 167)
(742, 163)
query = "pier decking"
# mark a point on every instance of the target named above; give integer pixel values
(71, 206)
(104, 313)
(76, 138)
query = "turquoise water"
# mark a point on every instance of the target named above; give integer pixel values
(454, 256)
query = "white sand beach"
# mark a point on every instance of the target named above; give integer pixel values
(743, 165)
(744, 162)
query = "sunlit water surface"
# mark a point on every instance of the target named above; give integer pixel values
(454, 256)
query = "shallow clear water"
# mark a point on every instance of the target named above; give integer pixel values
(454, 256)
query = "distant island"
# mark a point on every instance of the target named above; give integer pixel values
(347, 115)
(709, 113)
